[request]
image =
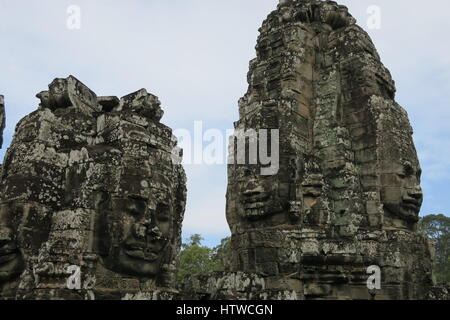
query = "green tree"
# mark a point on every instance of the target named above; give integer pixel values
(437, 228)
(194, 239)
(196, 259)
(222, 255)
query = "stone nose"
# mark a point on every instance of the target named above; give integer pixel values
(147, 217)
(154, 232)
(143, 226)
(148, 226)
(146, 220)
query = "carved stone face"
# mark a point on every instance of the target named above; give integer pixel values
(11, 260)
(139, 215)
(400, 172)
(23, 228)
(256, 200)
(401, 193)
(259, 197)
(137, 231)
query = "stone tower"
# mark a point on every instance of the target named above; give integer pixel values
(347, 193)
(92, 199)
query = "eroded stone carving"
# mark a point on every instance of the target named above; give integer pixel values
(89, 182)
(347, 195)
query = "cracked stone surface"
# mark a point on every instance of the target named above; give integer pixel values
(89, 182)
(347, 194)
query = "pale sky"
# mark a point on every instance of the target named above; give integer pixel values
(194, 54)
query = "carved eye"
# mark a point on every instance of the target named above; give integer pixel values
(401, 175)
(133, 211)
(136, 206)
(419, 174)
(163, 212)
(408, 170)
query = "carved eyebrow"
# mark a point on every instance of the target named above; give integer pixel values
(136, 204)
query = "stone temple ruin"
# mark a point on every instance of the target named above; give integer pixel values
(347, 194)
(92, 186)
(89, 182)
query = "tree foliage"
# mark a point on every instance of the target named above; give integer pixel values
(196, 259)
(221, 255)
(437, 228)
